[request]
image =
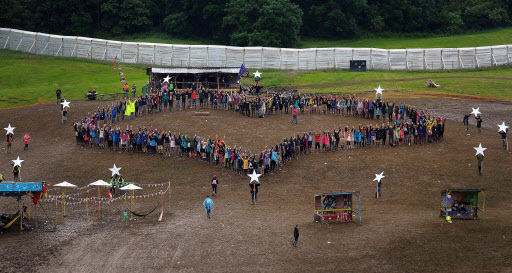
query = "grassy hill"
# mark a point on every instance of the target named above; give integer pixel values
(484, 38)
(24, 78)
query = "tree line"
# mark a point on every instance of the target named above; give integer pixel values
(279, 23)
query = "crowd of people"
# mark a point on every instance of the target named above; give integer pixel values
(405, 126)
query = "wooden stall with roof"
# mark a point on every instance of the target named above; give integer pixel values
(337, 207)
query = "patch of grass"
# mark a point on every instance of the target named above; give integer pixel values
(501, 36)
(487, 38)
(491, 83)
(25, 77)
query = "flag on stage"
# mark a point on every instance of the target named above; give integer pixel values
(242, 71)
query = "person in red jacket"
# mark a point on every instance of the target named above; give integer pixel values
(317, 140)
(294, 114)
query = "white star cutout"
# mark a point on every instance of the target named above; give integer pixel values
(476, 111)
(65, 104)
(503, 127)
(254, 176)
(115, 170)
(10, 130)
(166, 79)
(378, 177)
(479, 149)
(257, 74)
(17, 162)
(379, 90)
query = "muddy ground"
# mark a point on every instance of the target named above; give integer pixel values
(402, 231)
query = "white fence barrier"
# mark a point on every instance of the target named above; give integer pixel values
(253, 57)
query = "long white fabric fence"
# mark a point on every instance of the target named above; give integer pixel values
(254, 57)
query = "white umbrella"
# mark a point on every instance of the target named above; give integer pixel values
(64, 184)
(132, 188)
(99, 183)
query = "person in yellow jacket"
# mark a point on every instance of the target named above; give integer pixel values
(245, 160)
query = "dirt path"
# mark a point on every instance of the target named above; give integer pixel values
(400, 232)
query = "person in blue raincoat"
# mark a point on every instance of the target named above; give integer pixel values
(208, 205)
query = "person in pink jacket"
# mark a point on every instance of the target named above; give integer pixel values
(325, 141)
(26, 138)
(294, 114)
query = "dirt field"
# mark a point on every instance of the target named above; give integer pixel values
(401, 232)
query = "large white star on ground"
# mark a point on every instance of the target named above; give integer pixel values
(115, 170)
(254, 176)
(17, 162)
(378, 177)
(479, 149)
(503, 127)
(166, 79)
(10, 130)
(65, 104)
(257, 74)
(379, 90)
(476, 111)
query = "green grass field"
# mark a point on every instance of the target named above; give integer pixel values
(485, 38)
(25, 77)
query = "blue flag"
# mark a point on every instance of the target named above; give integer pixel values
(241, 72)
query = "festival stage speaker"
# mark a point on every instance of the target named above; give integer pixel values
(358, 65)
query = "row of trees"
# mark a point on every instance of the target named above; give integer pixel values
(258, 22)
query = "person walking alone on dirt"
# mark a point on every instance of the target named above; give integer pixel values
(64, 115)
(26, 139)
(479, 123)
(294, 114)
(16, 172)
(9, 143)
(465, 121)
(296, 235)
(480, 159)
(254, 191)
(58, 92)
(208, 205)
(378, 194)
(215, 182)
(504, 139)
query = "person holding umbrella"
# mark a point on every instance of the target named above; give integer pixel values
(208, 205)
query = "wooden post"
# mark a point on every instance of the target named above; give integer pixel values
(169, 196)
(56, 211)
(63, 208)
(162, 201)
(133, 201)
(99, 204)
(93, 211)
(28, 209)
(218, 82)
(20, 206)
(87, 212)
(483, 209)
